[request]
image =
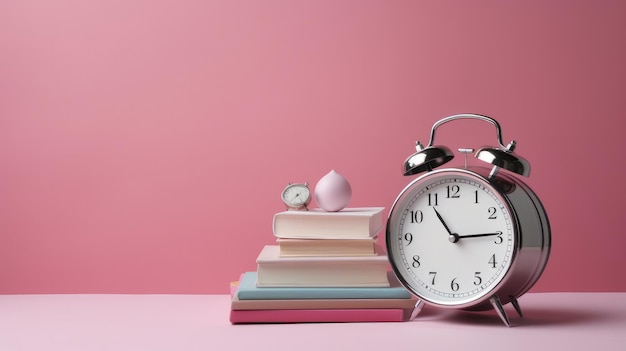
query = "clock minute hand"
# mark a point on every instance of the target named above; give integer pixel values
(456, 237)
(479, 235)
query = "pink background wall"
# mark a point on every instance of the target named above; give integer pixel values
(144, 144)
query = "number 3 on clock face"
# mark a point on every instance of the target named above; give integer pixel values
(453, 239)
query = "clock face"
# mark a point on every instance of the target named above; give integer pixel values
(451, 238)
(296, 195)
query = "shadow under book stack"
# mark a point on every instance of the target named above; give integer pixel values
(325, 267)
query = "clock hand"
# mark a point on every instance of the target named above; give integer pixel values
(456, 237)
(479, 235)
(443, 222)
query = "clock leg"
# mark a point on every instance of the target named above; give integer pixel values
(417, 309)
(516, 306)
(497, 305)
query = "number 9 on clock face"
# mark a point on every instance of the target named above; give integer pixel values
(451, 238)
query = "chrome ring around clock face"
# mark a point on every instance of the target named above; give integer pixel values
(451, 237)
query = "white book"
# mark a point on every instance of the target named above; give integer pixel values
(357, 271)
(349, 223)
(327, 247)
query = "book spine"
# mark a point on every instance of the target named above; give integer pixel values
(321, 293)
(317, 316)
(321, 304)
(321, 280)
(357, 223)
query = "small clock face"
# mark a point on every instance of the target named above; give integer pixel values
(451, 238)
(296, 195)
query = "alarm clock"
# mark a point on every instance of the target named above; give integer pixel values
(470, 238)
(296, 196)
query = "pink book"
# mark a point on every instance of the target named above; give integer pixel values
(319, 316)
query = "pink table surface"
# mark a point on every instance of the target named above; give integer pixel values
(559, 321)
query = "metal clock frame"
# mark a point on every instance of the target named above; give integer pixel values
(531, 226)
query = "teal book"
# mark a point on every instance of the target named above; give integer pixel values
(248, 290)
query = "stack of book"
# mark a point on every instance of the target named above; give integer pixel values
(325, 267)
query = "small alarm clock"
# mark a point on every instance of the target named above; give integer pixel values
(470, 238)
(296, 196)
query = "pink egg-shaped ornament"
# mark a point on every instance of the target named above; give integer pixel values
(333, 192)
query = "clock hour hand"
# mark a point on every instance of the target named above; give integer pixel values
(456, 237)
(443, 222)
